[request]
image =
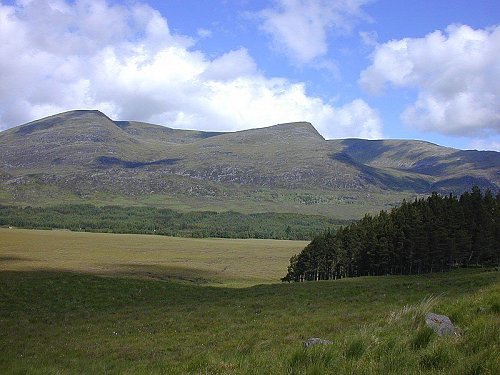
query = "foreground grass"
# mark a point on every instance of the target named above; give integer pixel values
(103, 303)
(60, 322)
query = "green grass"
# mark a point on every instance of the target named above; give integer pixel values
(74, 318)
(71, 323)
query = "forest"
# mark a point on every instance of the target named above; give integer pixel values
(430, 234)
(150, 220)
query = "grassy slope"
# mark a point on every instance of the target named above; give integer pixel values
(343, 205)
(65, 322)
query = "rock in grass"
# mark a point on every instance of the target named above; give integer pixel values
(316, 341)
(441, 324)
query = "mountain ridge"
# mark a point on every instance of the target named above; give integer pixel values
(84, 155)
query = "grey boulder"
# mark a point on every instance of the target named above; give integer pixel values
(316, 341)
(441, 324)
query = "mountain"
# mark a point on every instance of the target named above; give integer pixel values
(84, 156)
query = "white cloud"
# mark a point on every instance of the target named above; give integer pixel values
(369, 38)
(136, 69)
(485, 144)
(300, 28)
(360, 115)
(456, 73)
(204, 33)
(231, 65)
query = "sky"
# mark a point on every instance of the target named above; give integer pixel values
(399, 69)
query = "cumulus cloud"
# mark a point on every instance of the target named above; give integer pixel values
(230, 66)
(360, 115)
(456, 73)
(300, 28)
(57, 55)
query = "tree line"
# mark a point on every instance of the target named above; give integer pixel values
(150, 220)
(428, 235)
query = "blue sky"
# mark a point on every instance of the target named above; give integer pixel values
(354, 68)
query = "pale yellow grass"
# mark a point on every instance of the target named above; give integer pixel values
(228, 262)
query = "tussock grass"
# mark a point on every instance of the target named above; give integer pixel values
(415, 312)
(422, 338)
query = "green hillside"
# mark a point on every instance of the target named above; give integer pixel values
(85, 157)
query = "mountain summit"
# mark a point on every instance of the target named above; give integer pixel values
(84, 156)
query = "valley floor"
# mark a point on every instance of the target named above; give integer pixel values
(208, 261)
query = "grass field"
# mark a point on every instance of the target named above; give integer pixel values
(225, 262)
(61, 312)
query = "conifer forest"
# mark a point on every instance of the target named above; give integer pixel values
(431, 234)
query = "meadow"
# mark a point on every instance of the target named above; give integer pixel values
(126, 304)
(207, 261)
